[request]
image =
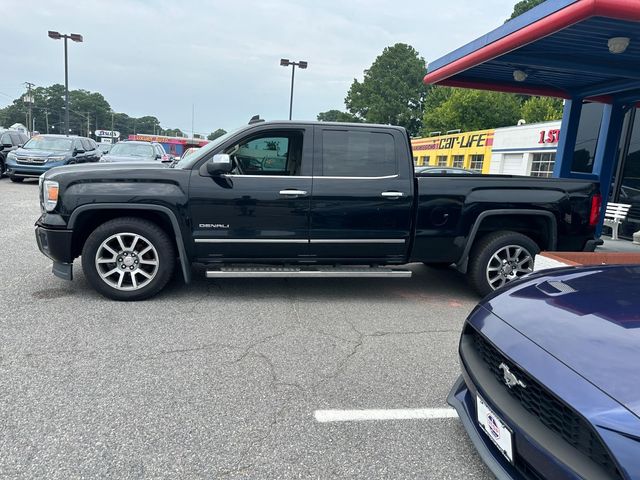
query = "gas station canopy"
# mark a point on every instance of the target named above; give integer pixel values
(574, 49)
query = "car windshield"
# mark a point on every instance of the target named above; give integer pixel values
(49, 143)
(132, 150)
(188, 160)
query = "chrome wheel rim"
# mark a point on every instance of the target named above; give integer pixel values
(127, 261)
(508, 264)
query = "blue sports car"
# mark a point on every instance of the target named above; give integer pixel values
(550, 384)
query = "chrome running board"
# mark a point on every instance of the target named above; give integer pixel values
(237, 271)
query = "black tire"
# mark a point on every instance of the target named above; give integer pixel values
(16, 179)
(3, 167)
(482, 255)
(162, 250)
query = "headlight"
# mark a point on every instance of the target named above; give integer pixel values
(50, 194)
(58, 158)
(11, 156)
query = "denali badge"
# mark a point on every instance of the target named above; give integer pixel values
(214, 225)
(509, 378)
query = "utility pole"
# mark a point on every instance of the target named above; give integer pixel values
(88, 125)
(30, 101)
(193, 114)
(46, 118)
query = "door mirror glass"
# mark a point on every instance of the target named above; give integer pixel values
(7, 145)
(220, 163)
(77, 151)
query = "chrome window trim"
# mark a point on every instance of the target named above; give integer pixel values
(307, 177)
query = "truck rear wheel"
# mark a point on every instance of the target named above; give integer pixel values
(128, 259)
(500, 258)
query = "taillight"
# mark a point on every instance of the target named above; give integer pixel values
(594, 215)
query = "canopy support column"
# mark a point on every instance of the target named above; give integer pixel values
(605, 160)
(567, 142)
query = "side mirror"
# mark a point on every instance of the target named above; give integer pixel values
(220, 163)
(8, 145)
(76, 151)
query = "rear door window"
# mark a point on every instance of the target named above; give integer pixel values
(352, 153)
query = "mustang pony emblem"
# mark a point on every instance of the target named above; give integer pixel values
(509, 378)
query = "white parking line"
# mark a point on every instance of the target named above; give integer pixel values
(324, 416)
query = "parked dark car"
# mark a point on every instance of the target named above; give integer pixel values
(10, 140)
(550, 385)
(135, 151)
(43, 152)
(431, 170)
(312, 199)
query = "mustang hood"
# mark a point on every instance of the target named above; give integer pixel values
(588, 318)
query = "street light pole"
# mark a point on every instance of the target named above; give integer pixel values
(66, 89)
(76, 38)
(284, 62)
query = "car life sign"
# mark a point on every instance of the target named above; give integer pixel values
(107, 133)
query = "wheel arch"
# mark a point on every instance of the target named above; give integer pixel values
(543, 229)
(86, 218)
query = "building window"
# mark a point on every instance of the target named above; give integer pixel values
(425, 160)
(441, 160)
(542, 164)
(458, 161)
(415, 160)
(476, 163)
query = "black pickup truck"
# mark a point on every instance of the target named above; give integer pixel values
(302, 199)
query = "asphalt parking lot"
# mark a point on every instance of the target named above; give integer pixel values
(221, 379)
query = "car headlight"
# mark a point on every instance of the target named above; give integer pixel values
(58, 158)
(50, 190)
(11, 156)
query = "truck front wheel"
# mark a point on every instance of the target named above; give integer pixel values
(500, 258)
(128, 259)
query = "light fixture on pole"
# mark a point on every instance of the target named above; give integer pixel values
(76, 38)
(284, 62)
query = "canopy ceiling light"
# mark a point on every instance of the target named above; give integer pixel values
(618, 45)
(520, 75)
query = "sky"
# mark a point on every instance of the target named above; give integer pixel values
(161, 57)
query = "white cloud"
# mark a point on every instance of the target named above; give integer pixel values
(160, 57)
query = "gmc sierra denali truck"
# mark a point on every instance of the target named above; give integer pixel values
(302, 199)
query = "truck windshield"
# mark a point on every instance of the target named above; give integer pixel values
(49, 143)
(189, 160)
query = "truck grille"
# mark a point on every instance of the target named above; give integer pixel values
(30, 160)
(551, 412)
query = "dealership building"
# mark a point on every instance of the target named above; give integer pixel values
(528, 149)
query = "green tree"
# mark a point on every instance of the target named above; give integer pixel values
(472, 110)
(524, 6)
(218, 133)
(392, 91)
(541, 109)
(337, 116)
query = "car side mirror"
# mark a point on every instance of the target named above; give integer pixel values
(219, 164)
(7, 145)
(76, 151)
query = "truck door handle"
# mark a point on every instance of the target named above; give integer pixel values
(392, 194)
(293, 193)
